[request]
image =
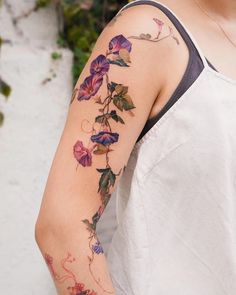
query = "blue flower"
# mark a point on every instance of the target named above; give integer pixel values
(105, 137)
(97, 248)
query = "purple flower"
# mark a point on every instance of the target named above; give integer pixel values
(90, 86)
(119, 42)
(97, 248)
(100, 65)
(105, 137)
(82, 154)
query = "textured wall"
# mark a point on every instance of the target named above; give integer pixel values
(34, 117)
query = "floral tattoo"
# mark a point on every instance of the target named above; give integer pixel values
(116, 101)
(78, 288)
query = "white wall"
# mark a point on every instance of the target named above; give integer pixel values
(34, 117)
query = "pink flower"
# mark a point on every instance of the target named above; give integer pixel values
(159, 25)
(82, 154)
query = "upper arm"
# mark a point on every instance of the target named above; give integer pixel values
(110, 105)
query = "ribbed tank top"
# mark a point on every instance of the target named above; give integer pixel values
(176, 199)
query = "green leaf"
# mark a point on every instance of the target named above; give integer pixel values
(112, 178)
(123, 102)
(101, 149)
(124, 55)
(122, 99)
(111, 86)
(107, 179)
(118, 62)
(5, 89)
(95, 218)
(116, 117)
(121, 89)
(128, 103)
(104, 181)
(118, 102)
(120, 119)
(101, 119)
(90, 226)
(101, 170)
(105, 199)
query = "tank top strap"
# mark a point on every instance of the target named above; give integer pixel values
(184, 32)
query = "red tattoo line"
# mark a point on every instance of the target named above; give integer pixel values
(78, 288)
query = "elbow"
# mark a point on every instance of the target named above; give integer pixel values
(48, 230)
(53, 228)
(42, 232)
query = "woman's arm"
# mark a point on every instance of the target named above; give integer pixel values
(109, 107)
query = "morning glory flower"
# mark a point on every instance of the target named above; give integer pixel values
(97, 248)
(160, 24)
(82, 154)
(90, 87)
(99, 65)
(105, 137)
(119, 42)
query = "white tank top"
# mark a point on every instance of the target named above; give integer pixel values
(176, 200)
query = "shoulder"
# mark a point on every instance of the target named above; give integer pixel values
(154, 38)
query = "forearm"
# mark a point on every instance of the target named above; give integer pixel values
(76, 260)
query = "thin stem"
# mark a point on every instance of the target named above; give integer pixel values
(91, 259)
(151, 40)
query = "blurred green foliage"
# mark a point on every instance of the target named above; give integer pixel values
(56, 55)
(5, 89)
(81, 23)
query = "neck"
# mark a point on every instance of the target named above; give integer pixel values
(223, 8)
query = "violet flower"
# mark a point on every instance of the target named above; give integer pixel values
(99, 65)
(105, 137)
(119, 42)
(90, 87)
(97, 248)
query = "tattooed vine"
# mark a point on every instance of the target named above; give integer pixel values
(158, 38)
(117, 95)
(78, 288)
(100, 142)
